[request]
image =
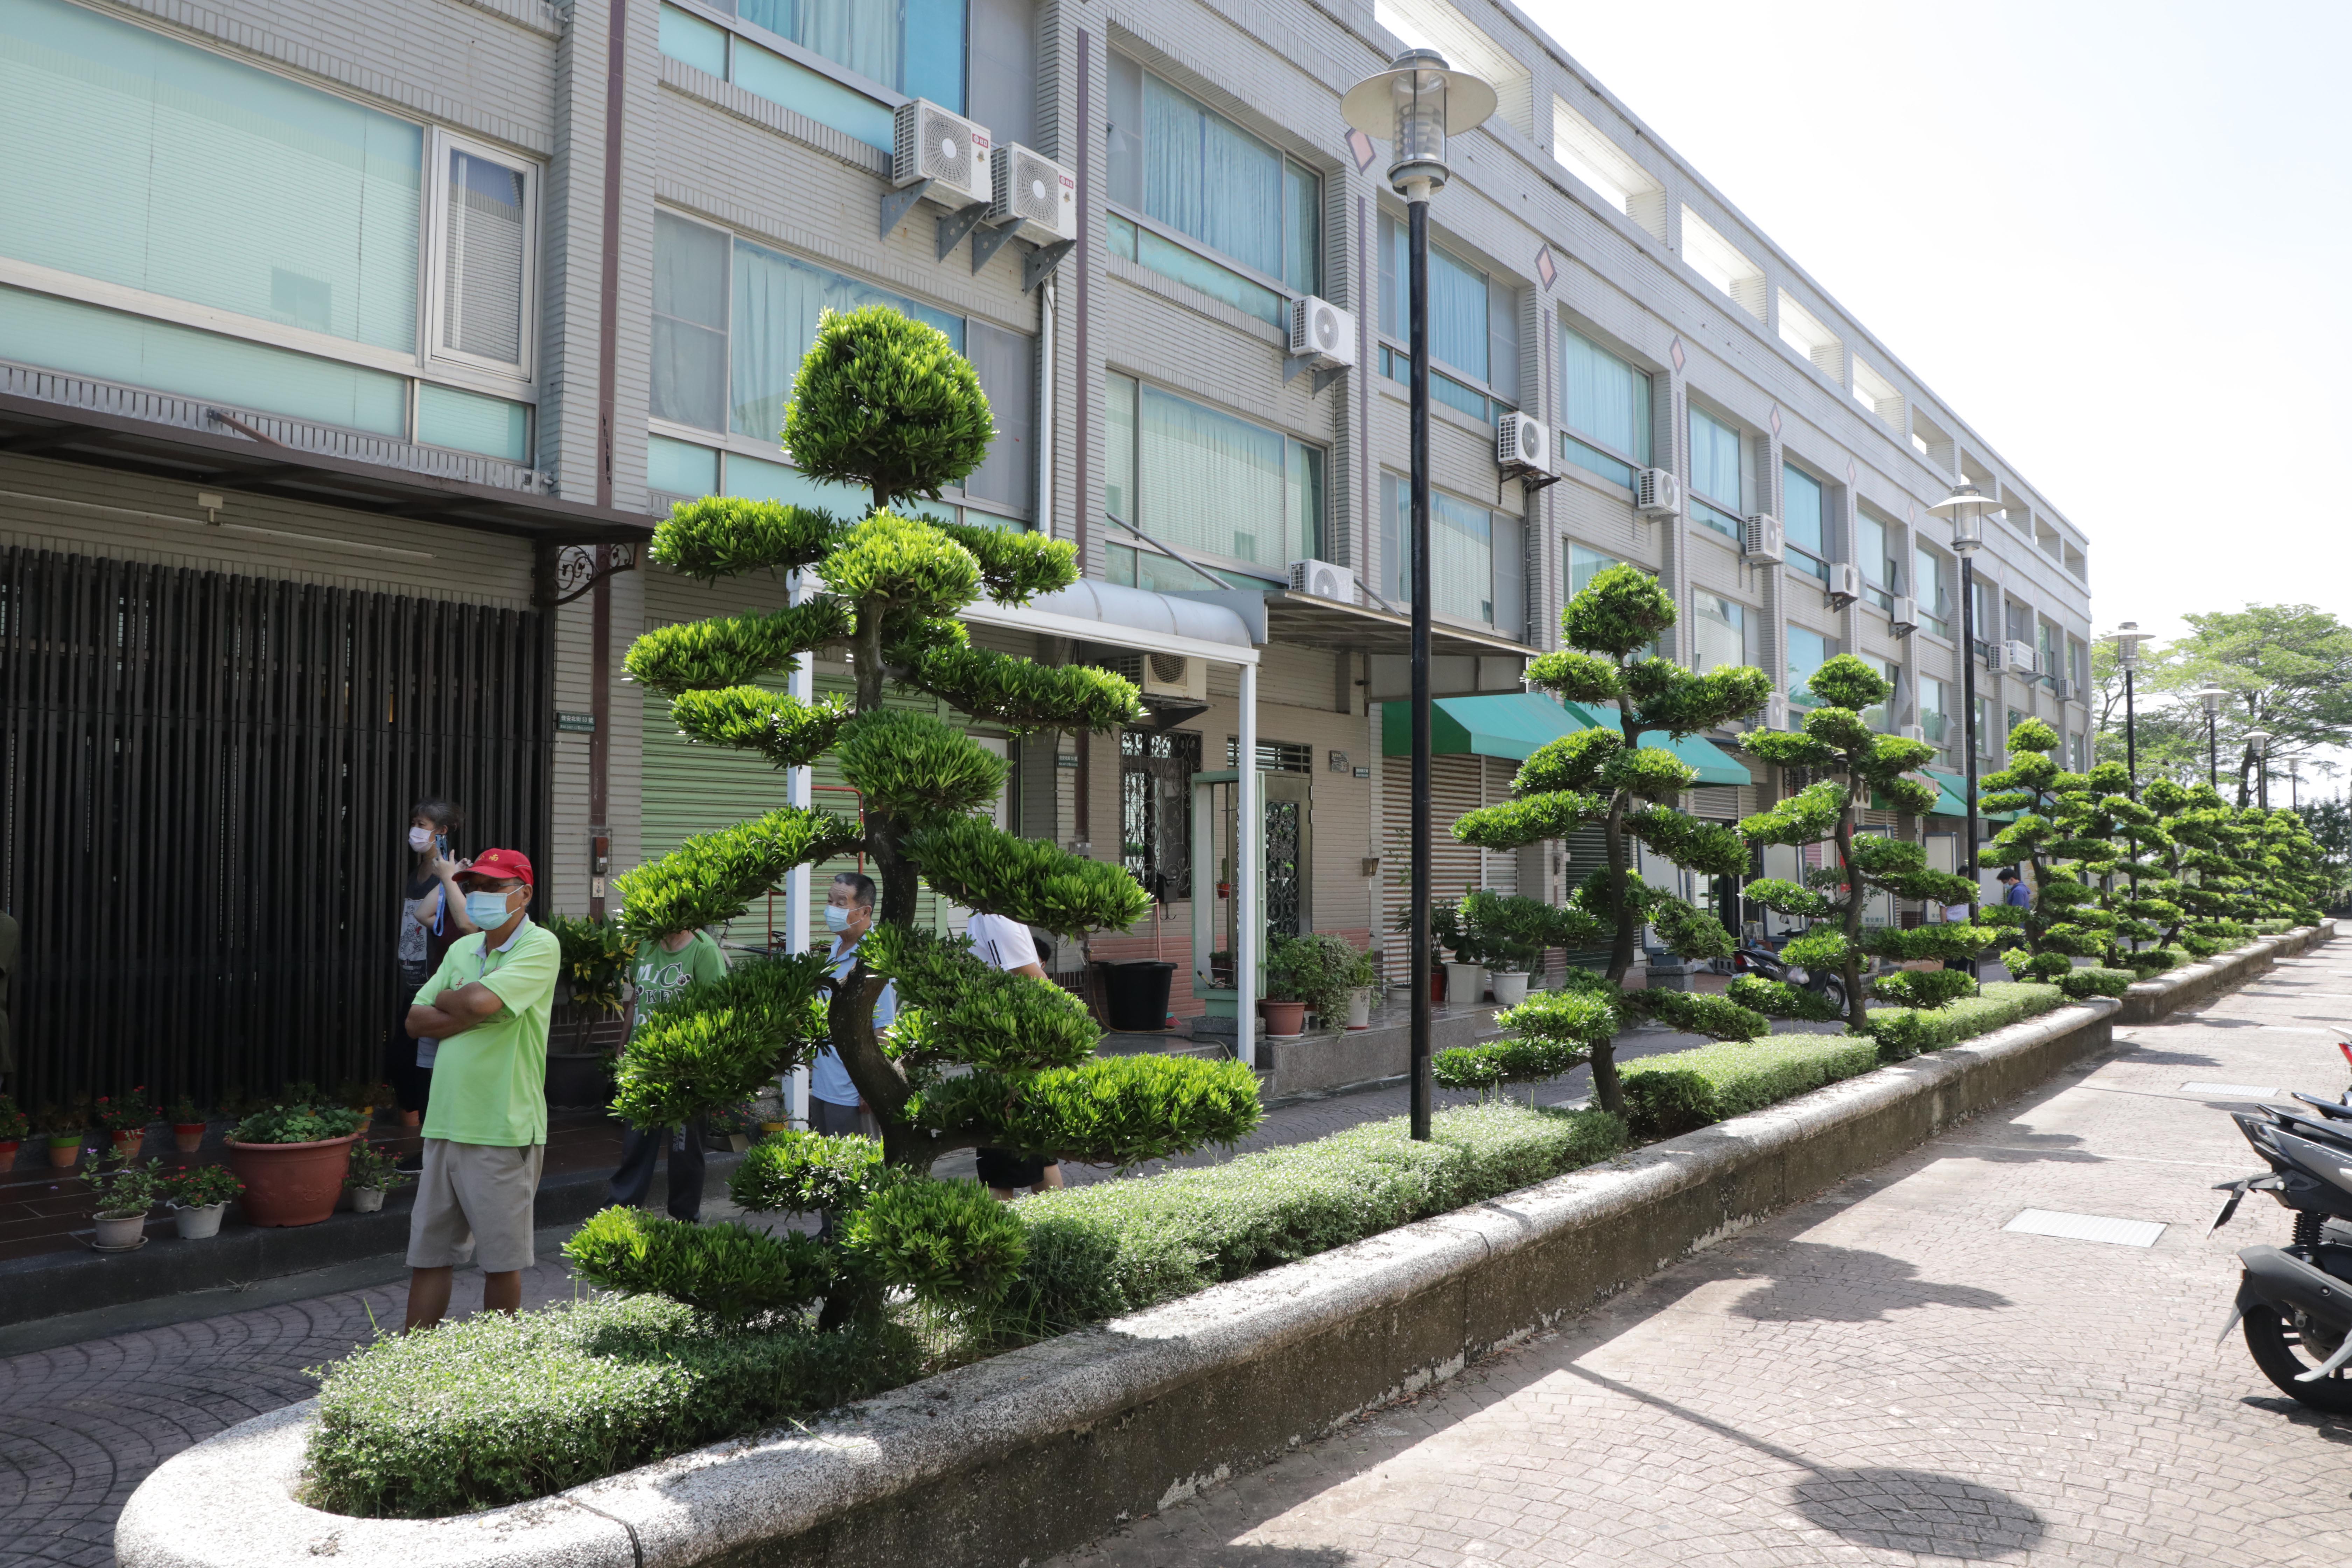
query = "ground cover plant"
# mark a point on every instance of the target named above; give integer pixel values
(1627, 780)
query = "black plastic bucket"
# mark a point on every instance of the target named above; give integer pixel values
(1136, 994)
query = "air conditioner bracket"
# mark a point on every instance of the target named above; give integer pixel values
(1530, 481)
(954, 225)
(1041, 262)
(988, 241)
(1292, 364)
(896, 205)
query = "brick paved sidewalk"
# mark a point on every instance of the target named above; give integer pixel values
(1884, 1375)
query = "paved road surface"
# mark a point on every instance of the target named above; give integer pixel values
(1885, 1376)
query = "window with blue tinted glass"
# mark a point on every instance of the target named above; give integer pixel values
(774, 305)
(1472, 322)
(1183, 165)
(1714, 462)
(1604, 400)
(914, 46)
(1808, 651)
(1800, 510)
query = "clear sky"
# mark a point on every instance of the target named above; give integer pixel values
(2113, 238)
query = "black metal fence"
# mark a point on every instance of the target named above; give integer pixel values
(204, 783)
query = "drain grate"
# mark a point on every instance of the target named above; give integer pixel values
(2231, 1090)
(2086, 1227)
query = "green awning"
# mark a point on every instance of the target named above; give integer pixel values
(1953, 799)
(1512, 724)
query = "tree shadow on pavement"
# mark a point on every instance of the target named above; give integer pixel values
(2148, 1059)
(2011, 1142)
(1816, 1283)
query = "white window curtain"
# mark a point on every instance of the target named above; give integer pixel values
(1604, 399)
(1714, 460)
(689, 340)
(1207, 480)
(1204, 176)
(777, 301)
(1801, 508)
(1462, 559)
(1718, 633)
(482, 279)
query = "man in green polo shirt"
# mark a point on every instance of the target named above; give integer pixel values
(486, 1128)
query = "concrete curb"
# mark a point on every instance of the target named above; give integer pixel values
(2151, 1000)
(1053, 1445)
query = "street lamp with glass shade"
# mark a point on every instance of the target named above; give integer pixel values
(2210, 699)
(2259, 743)
(1966, 507)
(2126, 638)
(1414, 106)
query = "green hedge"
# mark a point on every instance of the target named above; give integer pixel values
(1119, 1246)
(1904, 1031)
(2094, 982)
(1675, 1093)
(499, 1409)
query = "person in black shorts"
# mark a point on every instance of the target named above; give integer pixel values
(1007, 944)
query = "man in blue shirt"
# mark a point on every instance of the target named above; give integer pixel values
(2014, 892)
(833, 1100)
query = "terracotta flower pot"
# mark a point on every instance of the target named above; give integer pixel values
(127, 1143)
(291, 1183)
(1284, 1017)
(8, 1154)
(411, 1118)
(187, 1137)
(64, 1152)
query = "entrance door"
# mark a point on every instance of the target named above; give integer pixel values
(1289, 855)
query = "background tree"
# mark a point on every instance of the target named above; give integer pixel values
(2047, 842)
(2329, 823)
(976, 1057)
(1836, 740)
(1611, 777)
(2171, 733)
(2289, 670)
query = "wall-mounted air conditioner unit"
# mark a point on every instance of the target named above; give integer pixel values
(1162, 675)
(1034, 194)
(1905, 616)
(1322, 334)
(1845, 582)
(936, 144)
(1657, 493)
(1765, 541)
(2019, 658)
(1914, 732)
(1776, 711)
(1522, 445)
(1323, 580)
(2063, 688)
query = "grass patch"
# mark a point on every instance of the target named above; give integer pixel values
(1099, 1251)
(495, 1410)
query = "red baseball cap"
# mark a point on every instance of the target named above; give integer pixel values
(502, 864)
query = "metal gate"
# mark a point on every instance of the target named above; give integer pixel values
(204, 783)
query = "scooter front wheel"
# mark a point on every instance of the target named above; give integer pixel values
(2276, 1339)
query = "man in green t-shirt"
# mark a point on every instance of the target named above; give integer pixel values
(486, 1127)
(666, 966)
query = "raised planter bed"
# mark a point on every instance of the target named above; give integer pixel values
(2192, 983)
(1053, 1445)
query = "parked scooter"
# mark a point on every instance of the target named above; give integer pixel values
(1754, 958)
(2296, 1300)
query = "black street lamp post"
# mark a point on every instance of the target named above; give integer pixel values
(2210, 698)
(1966, 507)
(1415, 105)
(2126, 638)
(2259, 743)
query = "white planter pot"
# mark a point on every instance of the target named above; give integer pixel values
(1466, 985)
(1510, 990)
(196, 1223)
(1360, 1007)
(121, 1230)
(366, 1200)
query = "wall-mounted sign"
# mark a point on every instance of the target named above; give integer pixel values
(576, 723)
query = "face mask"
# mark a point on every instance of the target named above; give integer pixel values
(488, 910)
(836, 919)
(420, 838)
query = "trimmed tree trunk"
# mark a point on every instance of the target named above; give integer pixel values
(1857, 1006)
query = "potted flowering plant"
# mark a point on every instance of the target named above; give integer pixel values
(126, 1190)
(374, 1173)
(14, 1124)
(61, 1129)
(198, 1197)
(187, 1120)
(291, 1158)
(124, 1118)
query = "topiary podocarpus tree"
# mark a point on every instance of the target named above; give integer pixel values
(976, 1057)
(2203, 864)
(1611, 777)
(2049, 839)
(1837, 741)
(2140, 887)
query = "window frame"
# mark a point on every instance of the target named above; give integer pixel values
(735, 443)
(1396, 498)
(1704, 506)
(802, 55)
(1644, 408)
(1817, 559)
(1217, 561)
(1396, 353)
(1282, 288)
(440, 143)
(1876, 591)
(1746, 629)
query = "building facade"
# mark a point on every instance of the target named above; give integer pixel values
(393, 329)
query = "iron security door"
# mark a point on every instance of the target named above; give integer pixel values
(204, 785)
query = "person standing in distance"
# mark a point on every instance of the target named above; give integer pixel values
(432, 917)
(1007, 944)
(834, 1104)
(486, 1130)
(666, 966)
